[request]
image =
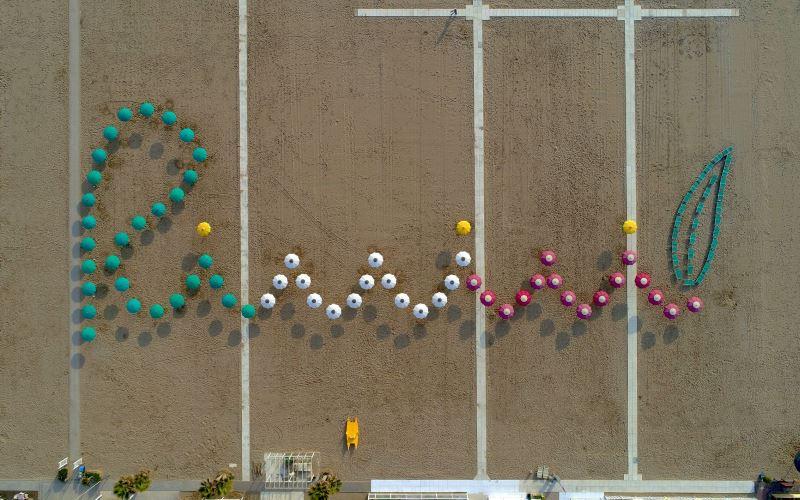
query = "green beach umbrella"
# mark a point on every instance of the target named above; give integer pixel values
(122, 284)
(158, 209)
(124, 114)
(88, 200)
(199, 154)
(147, 109)
(169, 117)
(112, 262)
(110, 133)
(99, 156)
(190, 177)
(89, 222)
(133, 306)
(248, 311)
(193, 282)
(88, 311)
(229, 300)
(88, 334)
(176, 195)
(138, 222)
(205, 261)
(88, 244)
(177, 301)
(156, 311)
(94, 177)
(88, 266)
(216, 281)
(187, 135)
(121, 239)
(88, 288)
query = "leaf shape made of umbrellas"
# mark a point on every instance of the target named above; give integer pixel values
(684, 268)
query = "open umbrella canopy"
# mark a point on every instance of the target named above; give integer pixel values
(523, 297)
(112, 263)
(655, 297)
(193, 282)
(88, 334)
(199, 154)
(176, 195)
(190, 177)
(88, 289)
(89, 222)
(629, 257)
(547, 258)
(88, 266)
(439, 300)
(138, 222)
(333, 311)
(94, 177)
(474, 282)
(488, 297)
(158, 209)
(568, 298)
(388, 281)
(169, 117)
(177, 301)
(354, 301)
(124, 114)
(156, 311)
(420, 311)
(229, 300)
(537, 282)
(110, 133)
(88, 311)
(694, 304)
(642, 280)
(147, 109)
(505, 311)
(279, 281)
(303, 281)
(186, 135)
(314, 300)
(617, 280)
(463, 258)
(366, 282)
(291, 261)
(267, 301)
(583, 311)
(216, 281)
(99, 156)
(121, 239)
(375, 259)
(451, 282)
(133, 306)
(601, 298)
(401, 300)
(88, 244)
(672, 311)
(248, 311)
(122, 284)
(554, 281)
(205, 261)
(88, 200)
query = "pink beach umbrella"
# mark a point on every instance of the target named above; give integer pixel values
(601, 298)
(537, 282)
(671, 311)
(523, 298)
(474, 282)
(642, 280)
(629, 257)
(583, 311)
(488, 297)
(617, 280)
(554, 281)
(506, 311)
(547, 258)
(655, 297)
(694, 304)
(568, 298)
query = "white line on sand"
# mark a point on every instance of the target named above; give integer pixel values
(511, 488)
(480, 242)
(74, 441)
(630, 194)
(244, 237)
